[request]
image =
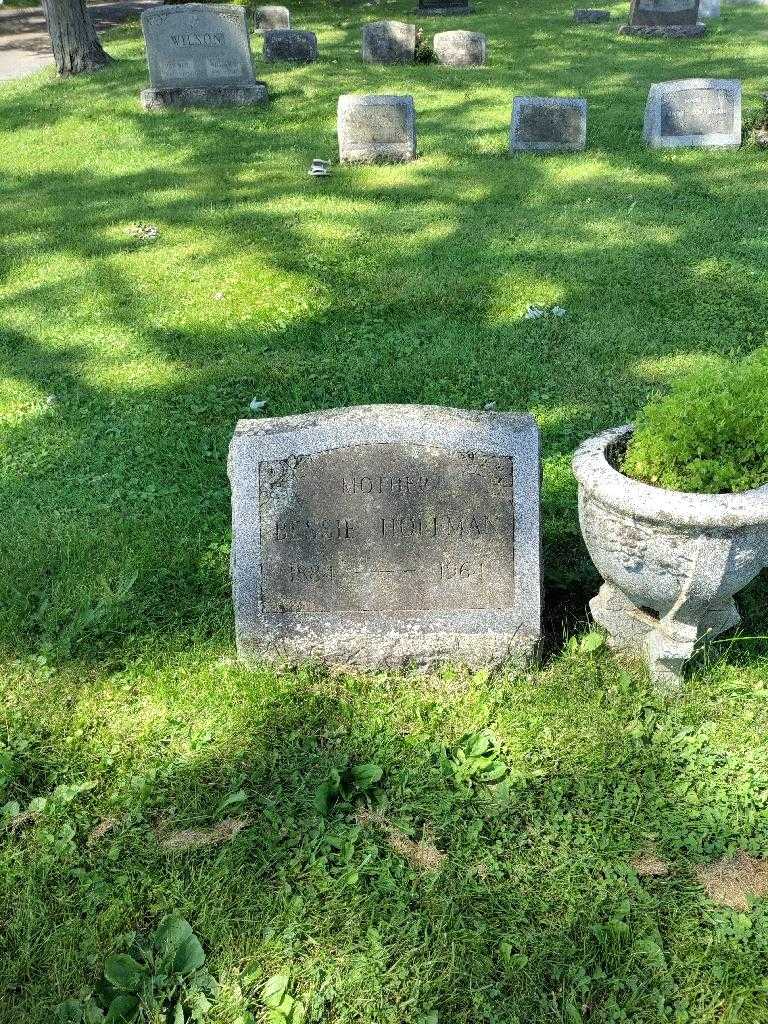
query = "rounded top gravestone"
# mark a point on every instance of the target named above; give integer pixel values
(387, 535)
(460, 49)
(388, 42)
(270, 17)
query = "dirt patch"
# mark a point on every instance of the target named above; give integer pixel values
(423, 856)
(733, 882)
(648, 865)
(199, 838)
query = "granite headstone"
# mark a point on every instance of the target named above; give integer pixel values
(387, 535)
(590, 15)
(388, 42)
(199, 55)
(548, 125)
(671, 18)
(460, 49)
(439, 7)
(376, 128)
(290, 44)
(709, 8)
(270, 17)
(694, 112)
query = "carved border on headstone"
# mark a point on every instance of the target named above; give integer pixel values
(522, 105)
(356, 149)
(653, 128)
(487, 635)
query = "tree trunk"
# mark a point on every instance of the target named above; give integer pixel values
(76, 46)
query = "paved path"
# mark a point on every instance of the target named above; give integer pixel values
(24, 42)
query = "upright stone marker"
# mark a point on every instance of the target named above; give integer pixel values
(671, 18)
(290, 44)
(460, 49)
(269, 17)
(199, 55)
(388, 42)
(384, 535)
(376, 129)
(698, 112)
(548, 125)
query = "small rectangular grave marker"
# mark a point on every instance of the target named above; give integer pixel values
(376, 128)
(198, 54)
(290, 44)
(698, 112)
(383, 535)
(270, 16)
(439, 7)
(460, 49)
(548, 125)
(590, 15)
(388, 42)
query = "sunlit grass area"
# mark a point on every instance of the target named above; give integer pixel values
(126, 363)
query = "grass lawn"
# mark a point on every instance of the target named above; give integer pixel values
(125, 365)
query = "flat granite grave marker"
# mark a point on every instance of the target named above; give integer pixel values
(590, 15)
(199, 55)
(439, 7)
(548, 125)
(460, 49)
(388, 42)
(376, 129)
(290, 44)
(669, 18)
(269, 17)
(387, 535)
(698, 112)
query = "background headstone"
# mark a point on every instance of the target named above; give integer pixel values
(199, 54)
(548, 125)
(664, 18)
(388, 42)
(376, 129)
(269, 17)
(430, 7)
(290, 44)
(590, 15)
(699, 112)
(385, 535)
(460, 49)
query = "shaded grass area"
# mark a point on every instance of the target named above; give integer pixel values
(125, 366)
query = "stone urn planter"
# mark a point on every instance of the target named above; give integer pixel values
(671, 561)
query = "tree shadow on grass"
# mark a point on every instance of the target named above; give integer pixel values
(393, 285)
(534, 908)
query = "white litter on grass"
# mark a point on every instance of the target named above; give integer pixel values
(489, 407)
(534, 312)
(257, 404)
(320, 169)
